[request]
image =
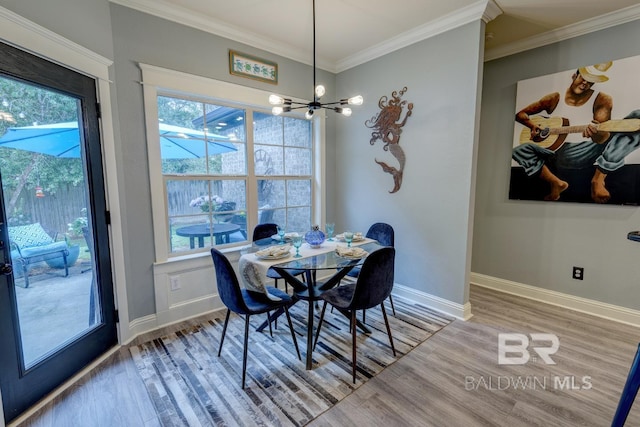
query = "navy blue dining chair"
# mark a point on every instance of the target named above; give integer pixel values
(263, 231)
(245, 303)
(384, 234)
(372, 287)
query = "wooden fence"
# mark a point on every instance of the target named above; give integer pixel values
(54, 211)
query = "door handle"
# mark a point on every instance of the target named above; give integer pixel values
(6, 269)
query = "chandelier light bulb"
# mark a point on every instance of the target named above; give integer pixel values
(355, 100)
(285, 105)
(276, 100)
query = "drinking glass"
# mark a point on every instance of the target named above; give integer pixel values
(281, 234)
(296, 239)
(330, 228)
(348, 237)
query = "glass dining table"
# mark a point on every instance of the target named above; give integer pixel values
(324, 262)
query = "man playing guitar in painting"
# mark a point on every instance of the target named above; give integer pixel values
(576, 146)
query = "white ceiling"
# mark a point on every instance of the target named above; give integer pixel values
(350, 32)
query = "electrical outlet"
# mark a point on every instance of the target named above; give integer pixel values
(175, 283)
(578, 273)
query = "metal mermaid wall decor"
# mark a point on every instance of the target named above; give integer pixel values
(387, 127)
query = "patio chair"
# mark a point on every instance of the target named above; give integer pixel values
(31, 244)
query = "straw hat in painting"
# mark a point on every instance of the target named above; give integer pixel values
(595, 73)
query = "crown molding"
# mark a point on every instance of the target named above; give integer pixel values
(602, 22)
(491, 12)
(443, 24)
(482, 9)
(183, 16)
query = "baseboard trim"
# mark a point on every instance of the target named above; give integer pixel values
(459, 311)
(140, 326)
(571, 302)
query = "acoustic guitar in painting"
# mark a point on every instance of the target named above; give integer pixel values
(555, 129)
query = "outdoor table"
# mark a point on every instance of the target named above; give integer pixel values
(221, 233)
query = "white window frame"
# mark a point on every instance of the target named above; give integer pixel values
(162, 81)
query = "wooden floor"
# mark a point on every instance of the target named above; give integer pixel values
(453, 379)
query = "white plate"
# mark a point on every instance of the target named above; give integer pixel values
(272, 257)
(340, 237)
(357, 254)
(287, 236)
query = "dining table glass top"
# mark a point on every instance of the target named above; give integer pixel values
(323, 258)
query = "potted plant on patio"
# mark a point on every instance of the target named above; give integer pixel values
(74, 253)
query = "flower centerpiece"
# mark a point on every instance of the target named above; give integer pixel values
(206, 203)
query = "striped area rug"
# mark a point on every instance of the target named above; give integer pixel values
(190, 386)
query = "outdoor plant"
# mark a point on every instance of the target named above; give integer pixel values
(205, 203)
(75, 227)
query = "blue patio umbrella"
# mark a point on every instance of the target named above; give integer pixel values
(63, 140)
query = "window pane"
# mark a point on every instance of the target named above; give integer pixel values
(299, 219)
(267, 129)
(299, 192)
(192, 132)
(297, 132)
(226, 121)
(271, 192)
(297, 161)
(228, 163)
(205, 212)
(268, 160)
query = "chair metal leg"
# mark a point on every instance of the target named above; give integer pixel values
(244, 353)
(224, 331)
(25, 273)
(364, 316)
(324, 306)
(629, 393)
(393, 308)
(386, 322)
(353, 344)
(293, 333)
(269, 322)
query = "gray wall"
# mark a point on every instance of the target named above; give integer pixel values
(142, 38)
(86, 22)
(538, 243)
(432, 212)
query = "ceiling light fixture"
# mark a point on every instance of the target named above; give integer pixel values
(284, 105)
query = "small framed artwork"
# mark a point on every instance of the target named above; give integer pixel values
(251, 67)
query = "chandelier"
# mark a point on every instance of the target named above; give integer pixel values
(284, 105)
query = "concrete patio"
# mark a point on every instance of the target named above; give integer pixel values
(53, 309)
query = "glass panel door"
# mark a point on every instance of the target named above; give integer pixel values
(56, 296)
(44, 196)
